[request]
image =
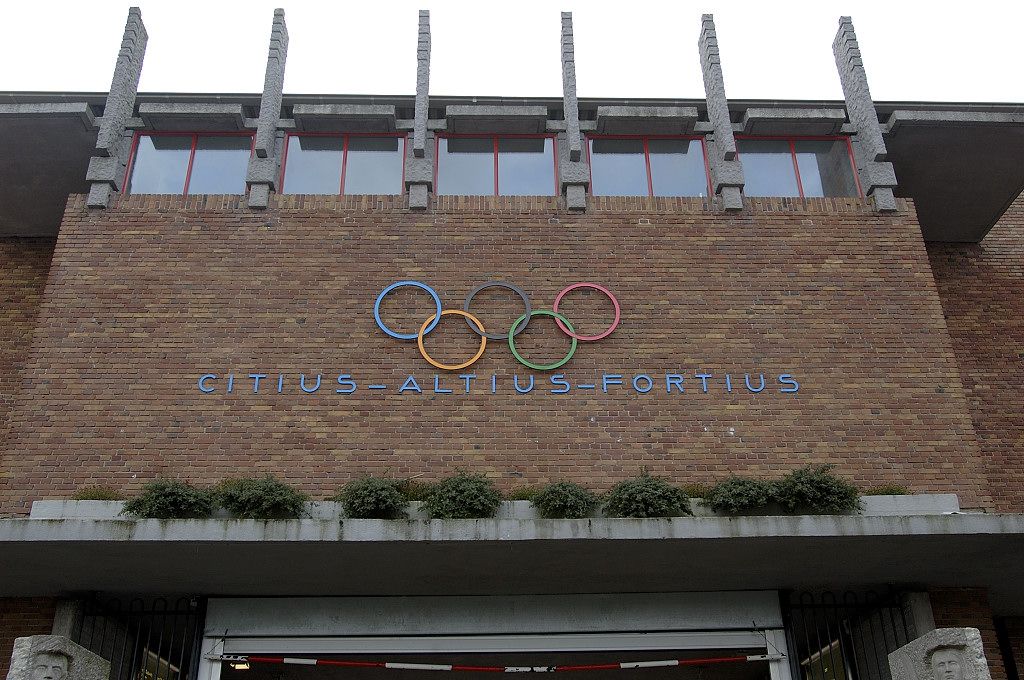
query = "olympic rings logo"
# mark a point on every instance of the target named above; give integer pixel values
(518, 326)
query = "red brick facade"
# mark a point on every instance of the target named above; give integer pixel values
(147, 296)
(969, 608)
(20, 617)
(982, 291)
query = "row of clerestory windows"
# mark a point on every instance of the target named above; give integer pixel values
(505, 165)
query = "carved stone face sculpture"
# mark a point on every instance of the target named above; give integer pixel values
(50, 666)
(947, 664)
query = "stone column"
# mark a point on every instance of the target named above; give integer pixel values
(113, 143)
(264, 165)
(942, 654)
(62, 658)
(573, 172)
(726, 168)
(419, 171)
(877, 177)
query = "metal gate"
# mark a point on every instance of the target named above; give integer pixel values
(844, 636)
(145, 639)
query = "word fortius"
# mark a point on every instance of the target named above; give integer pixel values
(471, 383)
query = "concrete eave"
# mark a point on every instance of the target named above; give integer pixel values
(508, 556)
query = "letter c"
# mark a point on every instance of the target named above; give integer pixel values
(203, 387)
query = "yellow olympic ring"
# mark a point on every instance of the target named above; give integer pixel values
(450, 367)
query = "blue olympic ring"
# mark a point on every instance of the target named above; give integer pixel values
(400, 284)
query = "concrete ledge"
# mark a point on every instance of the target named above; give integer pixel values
(952, 119)
(76, 110)
(497, 119)
(344, 118)
(197, 117)
(654, 120)
(772, 121)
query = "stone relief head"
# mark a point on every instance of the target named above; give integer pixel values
(50, 665)
(946, 663)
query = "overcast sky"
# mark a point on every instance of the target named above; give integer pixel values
(778, 49)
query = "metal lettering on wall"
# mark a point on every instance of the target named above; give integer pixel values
(641, 383)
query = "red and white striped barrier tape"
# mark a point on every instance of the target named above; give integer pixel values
(237, 659)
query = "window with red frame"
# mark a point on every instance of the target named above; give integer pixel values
(343, 164)
(521, 165)
(802, 167)
(189, 163)
(647, 166)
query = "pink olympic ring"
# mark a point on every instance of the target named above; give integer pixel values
(587, 338)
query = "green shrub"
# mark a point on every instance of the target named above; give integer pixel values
(739, 494)
(98, 493)
(565, 500)
(414, 490)
(887, 490)
(171, 499)
(816, 489)
(372, 498)
(696, 490)
(523, 493)
(646, 496)
(463, 496)
(261, 498)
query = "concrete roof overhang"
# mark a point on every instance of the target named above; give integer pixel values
(491, 557)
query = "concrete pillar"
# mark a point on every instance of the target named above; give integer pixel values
(264, 165)
(573, 172)
(419, 171)
(107, 167)
(68, 616)
(726, 168)
(877, 177)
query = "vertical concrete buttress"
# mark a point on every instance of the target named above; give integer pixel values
(574, 175)
(877, 177)
(264, 164)
(107, 166)
(726, 168)
(419, 171)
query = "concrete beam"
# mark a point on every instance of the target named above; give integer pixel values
(571, 106)
(779, 121)
(192, 117)
(648, 120)
(488, 118)
(264, 164)
(419, 134)
(112, 140)
(726, 168)
(344, 117)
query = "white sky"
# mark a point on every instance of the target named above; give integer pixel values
(771, 49)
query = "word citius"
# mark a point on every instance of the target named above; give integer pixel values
(470, 383)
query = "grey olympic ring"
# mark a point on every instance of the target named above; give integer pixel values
(498, 284)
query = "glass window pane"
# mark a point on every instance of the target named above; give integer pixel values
(160, 164)
(825, 168)
(767, 167)
(374, 165)
(465, 166)
(618, 168)
(220, 165)
(313, 165)
(677, 167)
(526, 167)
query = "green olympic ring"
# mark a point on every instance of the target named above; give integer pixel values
(540, 367)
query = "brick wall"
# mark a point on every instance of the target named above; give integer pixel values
(969, 608)
(981, 287)
(20, 617)
(149, 295)
(24, 264)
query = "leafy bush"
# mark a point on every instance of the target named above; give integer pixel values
(646, 496)
(696, 490)
(463, 496)
(98, 493)
(261, 498)
(816, 489)
(523, 493)
(171, 499)
(738, 494)
(565, 500)
(414, 490)
(887, 490)
(372, 498)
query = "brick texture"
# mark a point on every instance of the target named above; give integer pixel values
(20, 617)
(24, 264)
(981, 287)
(969, 608)
(150, 294)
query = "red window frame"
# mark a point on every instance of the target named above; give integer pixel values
(195, 135)
(495, 137)
(647, 157)
(404, 136)
(812, 138)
